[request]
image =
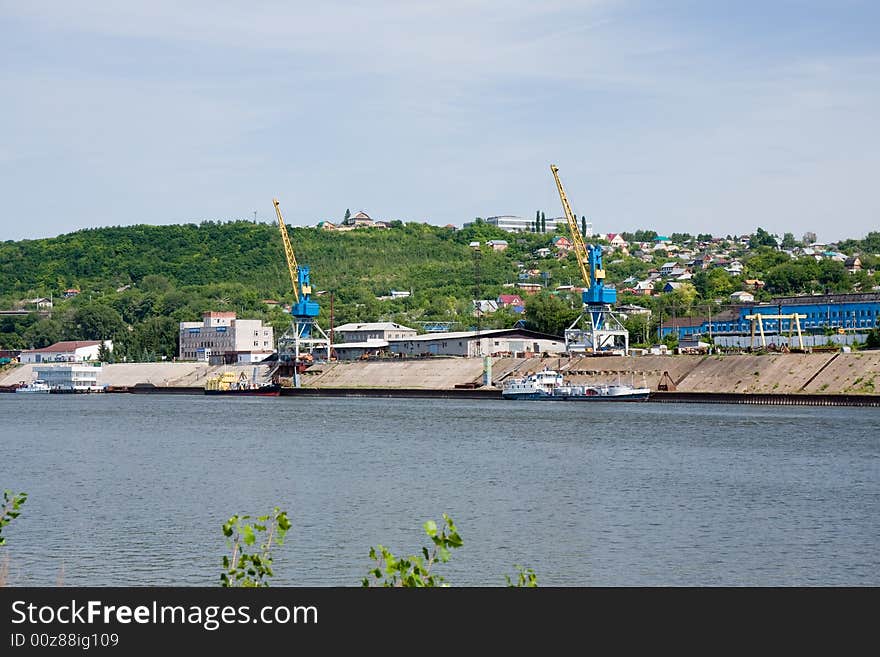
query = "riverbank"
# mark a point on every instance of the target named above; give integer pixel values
(824, 374)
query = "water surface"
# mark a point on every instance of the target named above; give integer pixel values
(132, 489)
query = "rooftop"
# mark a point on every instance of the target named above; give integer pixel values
(65, 346)
(373, 326)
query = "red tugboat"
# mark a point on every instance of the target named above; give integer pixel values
(240, 386)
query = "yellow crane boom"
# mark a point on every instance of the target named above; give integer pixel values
(288, 251)
(580, 248)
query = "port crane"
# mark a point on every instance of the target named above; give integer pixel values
(598, 328)
(305, 338)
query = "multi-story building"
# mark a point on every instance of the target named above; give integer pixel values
(223, 338)
(70, 377)
(514, 224)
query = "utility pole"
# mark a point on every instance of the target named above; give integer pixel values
(330, 334)
(477, 258)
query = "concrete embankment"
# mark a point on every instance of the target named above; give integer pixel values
(160, 375)
(769, 378)
(836, 373)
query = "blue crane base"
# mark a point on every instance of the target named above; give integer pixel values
(599, 295)
(305, 309)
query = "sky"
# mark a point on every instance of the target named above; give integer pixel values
(674, 115)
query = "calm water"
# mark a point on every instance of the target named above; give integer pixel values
(132, 490)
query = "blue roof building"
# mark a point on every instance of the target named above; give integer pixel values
(853, 312)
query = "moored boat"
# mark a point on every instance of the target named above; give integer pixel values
(551, 385)
(230, 384)
(36, 386)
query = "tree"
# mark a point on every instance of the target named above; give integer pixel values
(546, 313)
(43, 333)
(104, 354)
(543, 223)
(788, 241)
(95, 321)
(873, 340)
(762, 238)
(347, 215)
(713, 283)
(809, 238)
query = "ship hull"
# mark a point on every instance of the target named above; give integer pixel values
(265, 391)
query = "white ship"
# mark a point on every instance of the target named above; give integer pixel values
(549, 384)
(37, 385)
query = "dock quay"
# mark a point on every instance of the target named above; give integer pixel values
(814, 379)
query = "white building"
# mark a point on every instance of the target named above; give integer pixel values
(69, 351)
(514, 224)
(70, 377)
(478, 343)
(366, 331)
(220, 336)
(742, 297)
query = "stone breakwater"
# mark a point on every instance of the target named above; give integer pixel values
(822, 373)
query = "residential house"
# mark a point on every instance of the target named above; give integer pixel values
(671, 286)
(41, 303)
(512, 301)
(530, 288)
(70, 292)
(735, 268)
(742, 297)
(754, 284)
(358, 219)
(484, 307)
(497, 245)
(562, 243)
(542, 252)
(616, 240)
(643, 288)
(853, 264)
(667, 268)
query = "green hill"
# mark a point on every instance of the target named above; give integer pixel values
(137, 282)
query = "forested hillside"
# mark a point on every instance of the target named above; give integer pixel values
(136, 283)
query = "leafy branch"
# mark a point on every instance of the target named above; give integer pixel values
(526, 578)
(252, 569)
(10, 511)
(415, 570)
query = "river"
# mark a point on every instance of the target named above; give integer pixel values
(128, 490)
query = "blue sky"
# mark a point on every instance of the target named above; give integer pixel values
(674, 115)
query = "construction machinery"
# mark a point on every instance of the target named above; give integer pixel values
(305, 341)
(598, 329)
